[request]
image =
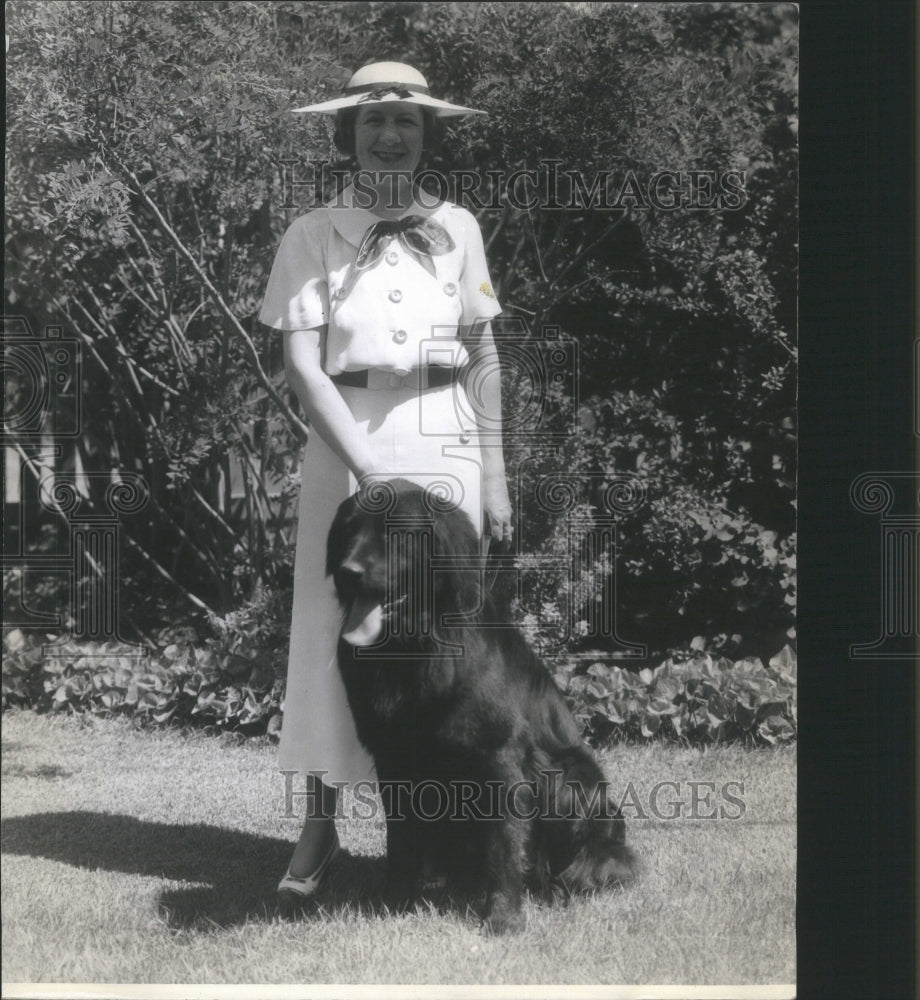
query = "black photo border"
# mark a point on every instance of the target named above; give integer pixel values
(858, 409)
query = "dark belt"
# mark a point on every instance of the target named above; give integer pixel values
(432, 377)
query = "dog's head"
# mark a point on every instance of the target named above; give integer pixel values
(379, 555)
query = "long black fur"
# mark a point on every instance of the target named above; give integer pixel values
(492, 714)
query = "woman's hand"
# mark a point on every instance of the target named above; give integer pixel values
(497, 506)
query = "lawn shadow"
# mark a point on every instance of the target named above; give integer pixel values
(356, 885)
(240, 871)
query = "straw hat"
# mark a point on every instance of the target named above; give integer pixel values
(389, 81)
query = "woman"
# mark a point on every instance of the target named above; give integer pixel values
(381, 301)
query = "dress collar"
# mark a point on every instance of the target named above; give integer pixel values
(351, 222)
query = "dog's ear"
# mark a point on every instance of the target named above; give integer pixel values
(337, 539)
(454, 535)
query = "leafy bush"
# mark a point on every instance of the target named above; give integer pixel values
(22, 658)
(153, 207)
(179, 682)
(696, 700)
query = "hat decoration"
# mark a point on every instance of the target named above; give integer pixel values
(389, 81)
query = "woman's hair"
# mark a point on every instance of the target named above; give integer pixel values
(346, 118)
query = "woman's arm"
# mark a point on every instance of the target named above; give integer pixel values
(484, 371)
(322, 402)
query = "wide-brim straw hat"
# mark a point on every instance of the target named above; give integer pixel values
(389, 81)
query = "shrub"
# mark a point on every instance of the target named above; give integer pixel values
(697, 700)
(153, 207)
(225, 683)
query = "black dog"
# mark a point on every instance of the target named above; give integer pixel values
(483, 773)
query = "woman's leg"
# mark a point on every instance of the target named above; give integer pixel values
(318, 730)
(318, 832)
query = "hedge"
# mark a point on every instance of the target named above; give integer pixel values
(694, 700)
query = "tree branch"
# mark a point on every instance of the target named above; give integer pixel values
(300, 428)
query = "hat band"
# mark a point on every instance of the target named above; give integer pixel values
(366, 88)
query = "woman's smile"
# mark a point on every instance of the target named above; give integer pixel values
(388, 136)
(389, 155)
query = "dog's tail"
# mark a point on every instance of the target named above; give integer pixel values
(583, 831)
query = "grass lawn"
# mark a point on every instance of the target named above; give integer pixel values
(149, 857)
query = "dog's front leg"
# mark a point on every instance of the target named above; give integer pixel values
(506, 843)
(404, 859)
(505, 877)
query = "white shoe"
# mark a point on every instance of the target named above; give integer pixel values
(294, 889)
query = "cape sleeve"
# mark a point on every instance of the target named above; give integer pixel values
(297, 295)
(477, 296)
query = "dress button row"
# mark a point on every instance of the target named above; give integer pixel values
(399, 336)
(450, 288)
(392, 257)
(339, 293)
(465, 437)
(395, 295)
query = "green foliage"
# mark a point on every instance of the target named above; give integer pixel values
(684, 318)
(180, 682)
(144, 153)
(697, 700)
(144, 193)
(234, 681)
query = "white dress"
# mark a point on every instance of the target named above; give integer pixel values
(391, 318)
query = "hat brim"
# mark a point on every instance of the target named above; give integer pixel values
(442, 109)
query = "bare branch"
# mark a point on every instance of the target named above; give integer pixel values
(583, 251)
(145, 555)
(296, 423)
(536, 247)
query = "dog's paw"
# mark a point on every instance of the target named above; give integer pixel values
(397, 899)
(504, 921)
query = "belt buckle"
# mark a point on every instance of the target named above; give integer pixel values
(400, 378)
(382, 378)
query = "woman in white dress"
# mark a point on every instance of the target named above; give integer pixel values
(382, 300)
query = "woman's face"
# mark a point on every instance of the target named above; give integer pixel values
(388, 136)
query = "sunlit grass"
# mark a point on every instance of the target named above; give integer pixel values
(152, 857)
